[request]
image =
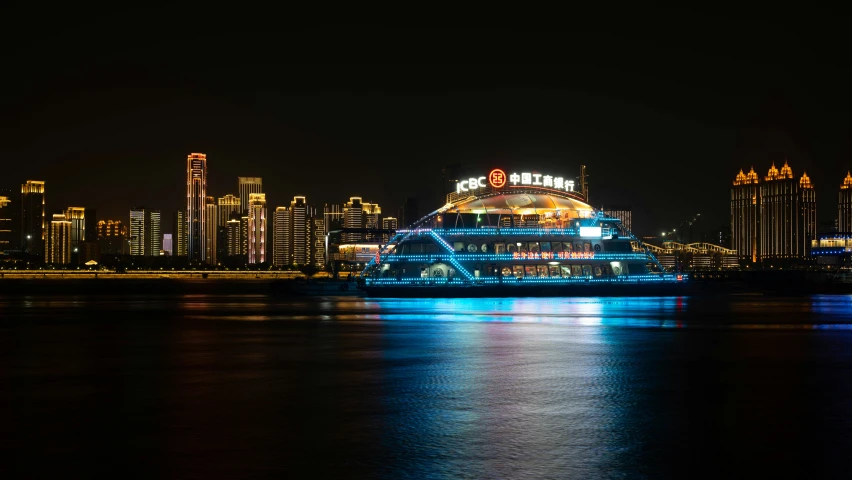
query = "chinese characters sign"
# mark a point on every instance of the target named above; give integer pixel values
(498, 179)
(551, 255)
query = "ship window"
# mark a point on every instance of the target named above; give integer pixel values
(507, 272)
(542, 271)
(511, 248)
(484, 248)
(597, 270)
(606, 270)
(499, 248)
(618, 268)
(458, 246)
(524, 247)
(578, 246)
(534, 248)
(566, 270)
(567, 247)
(554, 271)
(431, 248)
(557, 247)
(587, 246)
(587, 270)
(530, 271)
(545, 246)
(576, 270)
(518, 270)
(472, 248)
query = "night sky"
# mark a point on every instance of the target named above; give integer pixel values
(664, 117)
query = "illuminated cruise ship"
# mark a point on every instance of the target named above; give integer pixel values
(518, 234)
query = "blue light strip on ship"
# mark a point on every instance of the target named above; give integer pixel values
(508, 257)
(508, 281)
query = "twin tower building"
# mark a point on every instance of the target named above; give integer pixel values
(774, 218)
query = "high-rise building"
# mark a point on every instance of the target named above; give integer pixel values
(227, 205)
(112, 237)
(10, 222)
(235, 234)
(281, 253)
(210, 236)
(299, 236)
(77, 217)
(59, 251)
(317, 257)
(360, 214)
(196, 198)
(33, 222)
(145, 237)
(787, 215)
(247, 186)
(745, 215)
(844, 205)
(623, 213)
(179, 231)
(168, 247)
(257, 228)
(299, 230)
(388, 223)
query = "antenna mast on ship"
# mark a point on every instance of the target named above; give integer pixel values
(584, 183)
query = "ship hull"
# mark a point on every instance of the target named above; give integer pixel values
(501, 291)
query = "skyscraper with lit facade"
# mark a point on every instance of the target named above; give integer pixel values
(787, 215)
(388, 223)
(257, 228)
(360, 214)
(247, 186)
(281, 254)
(145, 237)
(623, 213)
(212, 219)
(745, 215)
(227, 205)
(59, 246)
(179, 232)
(844, 205)
(10, 222)
(77, 217)
(112, 237)
(196, 212)
(33, 222)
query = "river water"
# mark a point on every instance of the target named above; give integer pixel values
(251, 386)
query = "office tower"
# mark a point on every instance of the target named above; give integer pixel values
(745, 215)
(33, 222)
(281, 253)
(168, 247)
(317, 257)
(625, 214)
(299, 231)
(257, 228)
(844, 205)
(360, 214)
(787, 215)
(227, 205)
(244, 234)
(222, 243)
(247, 186)
(59, 251)
(210, 236)
(91, 225)
(145, 237)
(10, 222)
(111, 236)
(388, 223)
(196, 198)
(179, 231)
(77, 217)
(235, 233)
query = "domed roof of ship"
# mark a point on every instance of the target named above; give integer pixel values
(522, 203)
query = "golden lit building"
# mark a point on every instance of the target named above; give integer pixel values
(360, 214)
(77, 217)
(210, 230)
(257, 228)
(844, 205)
(281, 253)
(33, 221)
(59, 247)
(299, 235)
(10, 222)
(745, 215)
(787, 215)
(112, 237)
(196, 202)
(227, 205)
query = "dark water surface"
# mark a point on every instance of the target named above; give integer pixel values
(202, 386)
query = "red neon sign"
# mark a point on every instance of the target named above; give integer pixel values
(497, 178)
